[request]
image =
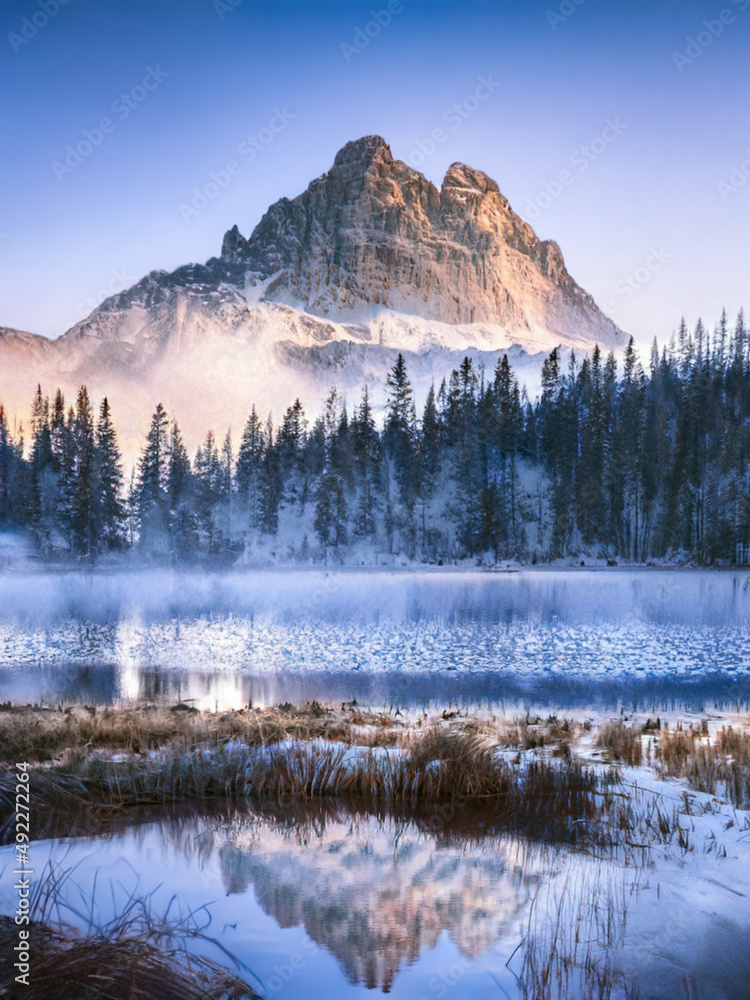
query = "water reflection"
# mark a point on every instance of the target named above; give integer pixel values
(105, 684)
(321, 903)
(379, 894)
(366, 903)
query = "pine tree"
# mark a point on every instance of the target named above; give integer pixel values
(179, 473)
(431, 442)
(153, 484)
(400, 444)
(272, 482)
(208, 483)
(82, 509)
(366, 458)
(180, 498)
(5, 467)
(108, 510)
(331, 509)
(42, 492)
(249, 473)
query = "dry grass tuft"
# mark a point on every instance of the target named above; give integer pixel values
(40, 735)
(719, 766)
(534, 733)
(621, 743)
(98, 969)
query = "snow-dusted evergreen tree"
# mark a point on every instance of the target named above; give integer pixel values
(400, 446)
(274, 472)
(331, 508)
(367, 456)
(81, 486)
(108, 510)
(208, 482)
(152, 485)
(180, 498)
(250, 475)
(13, 476)
(42, 480)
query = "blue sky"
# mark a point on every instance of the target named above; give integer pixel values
(605, 127)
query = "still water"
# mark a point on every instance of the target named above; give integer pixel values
(340, 905)
(336, 907)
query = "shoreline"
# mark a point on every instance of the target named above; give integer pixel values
(123, 568)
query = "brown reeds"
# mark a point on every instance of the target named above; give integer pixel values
(575, 936)
(620, 743)
(38, 735)
(718, 765)
(99, 969)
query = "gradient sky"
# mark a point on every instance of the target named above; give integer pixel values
(67, 241)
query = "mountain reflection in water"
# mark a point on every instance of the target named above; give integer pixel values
(377, 894)
(368, 903)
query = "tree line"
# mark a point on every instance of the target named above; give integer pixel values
(652, 462)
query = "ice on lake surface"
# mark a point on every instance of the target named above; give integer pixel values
(536, 624)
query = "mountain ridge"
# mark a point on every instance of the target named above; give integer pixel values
(371, 259)
(372, 233)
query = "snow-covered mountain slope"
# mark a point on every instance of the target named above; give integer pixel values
(370, 260)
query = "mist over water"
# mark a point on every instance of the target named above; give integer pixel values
(575, 597)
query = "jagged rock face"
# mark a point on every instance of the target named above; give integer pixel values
(373, 233)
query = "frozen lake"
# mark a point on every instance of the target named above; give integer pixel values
(424, 637)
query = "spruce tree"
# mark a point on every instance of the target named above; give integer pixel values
(152, 487)
(249, 473)
(108, 510)
(400, 443)
(367, 457)
(83, 525)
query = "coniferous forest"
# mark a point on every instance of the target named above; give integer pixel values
(641, 461)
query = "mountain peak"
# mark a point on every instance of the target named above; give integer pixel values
(374, 235)
(372, 258)
(461, 176)
(366, 150)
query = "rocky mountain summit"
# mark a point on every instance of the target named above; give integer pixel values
(374, 235)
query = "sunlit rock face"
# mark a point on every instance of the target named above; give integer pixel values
(373, 233)
(378, 894)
